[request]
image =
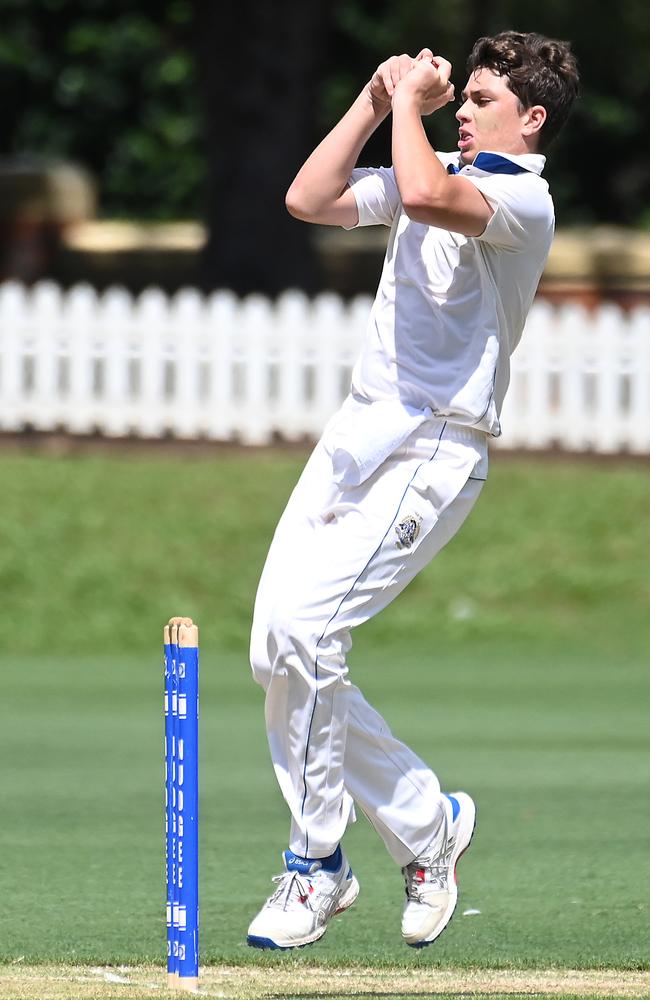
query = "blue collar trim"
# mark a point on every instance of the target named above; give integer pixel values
(492, 163)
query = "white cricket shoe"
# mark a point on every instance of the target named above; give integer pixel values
(431, 889)
(299, 910)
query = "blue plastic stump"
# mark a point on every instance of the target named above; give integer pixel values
(182, 788)
(169, 797)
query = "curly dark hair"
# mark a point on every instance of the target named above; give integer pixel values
(539, 70)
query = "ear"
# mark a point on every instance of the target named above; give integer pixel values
(532, 120)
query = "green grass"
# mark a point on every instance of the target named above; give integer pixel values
(516, 664)
(249, 982)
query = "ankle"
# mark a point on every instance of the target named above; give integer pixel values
(333, 862)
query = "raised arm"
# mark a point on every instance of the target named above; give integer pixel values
(429, 194)
(320, 191)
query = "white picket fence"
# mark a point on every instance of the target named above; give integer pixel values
(220, 368)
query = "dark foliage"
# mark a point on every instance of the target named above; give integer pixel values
(186, 108)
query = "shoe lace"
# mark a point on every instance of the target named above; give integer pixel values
(292, 888)
(428, 873)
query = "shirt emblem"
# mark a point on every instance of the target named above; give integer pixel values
(407, 531)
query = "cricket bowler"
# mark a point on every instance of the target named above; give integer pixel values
(401, 464)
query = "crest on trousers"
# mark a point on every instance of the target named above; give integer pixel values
(407, 531)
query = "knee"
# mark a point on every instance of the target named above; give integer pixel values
(297, 641)
(291, 634)
(262, 653)
(280, 642)
(284, 639)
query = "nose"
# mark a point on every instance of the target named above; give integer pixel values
(463, 115)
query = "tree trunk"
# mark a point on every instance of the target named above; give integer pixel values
(259, 65)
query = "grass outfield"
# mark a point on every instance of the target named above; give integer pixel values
(516, 664)
(62, 982)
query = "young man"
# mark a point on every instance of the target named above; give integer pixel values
(400, 466)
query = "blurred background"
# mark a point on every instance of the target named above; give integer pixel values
(153, 142)
(170, 344)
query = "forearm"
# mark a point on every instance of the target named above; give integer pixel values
(322, 179)
(421, 178)
(429, 194)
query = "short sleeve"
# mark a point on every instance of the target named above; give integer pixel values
(522, 210)
(376, 194)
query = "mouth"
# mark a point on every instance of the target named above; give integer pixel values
(464, 139)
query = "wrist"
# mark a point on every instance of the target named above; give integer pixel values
(379, 108)
(404, 98)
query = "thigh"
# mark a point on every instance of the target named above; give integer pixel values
(419, 528)
(369, 542)
(296, 532)
(309, 503)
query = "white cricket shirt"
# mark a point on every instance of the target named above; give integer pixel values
(450, 309)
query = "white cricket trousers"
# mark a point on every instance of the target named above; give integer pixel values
(336, 560)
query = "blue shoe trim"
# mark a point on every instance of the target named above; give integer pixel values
(455, 807)
(261, 942)
(304, 866)
(269, 945)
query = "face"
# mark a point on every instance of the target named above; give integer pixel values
(491, 117)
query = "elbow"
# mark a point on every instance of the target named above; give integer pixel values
(426, 201)
(416, 213)
(295, 203)
(420, 204)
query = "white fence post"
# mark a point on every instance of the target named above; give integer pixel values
(185, 359)
(118, 331)
(288, 379)
(638, 359)
(79, 319)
